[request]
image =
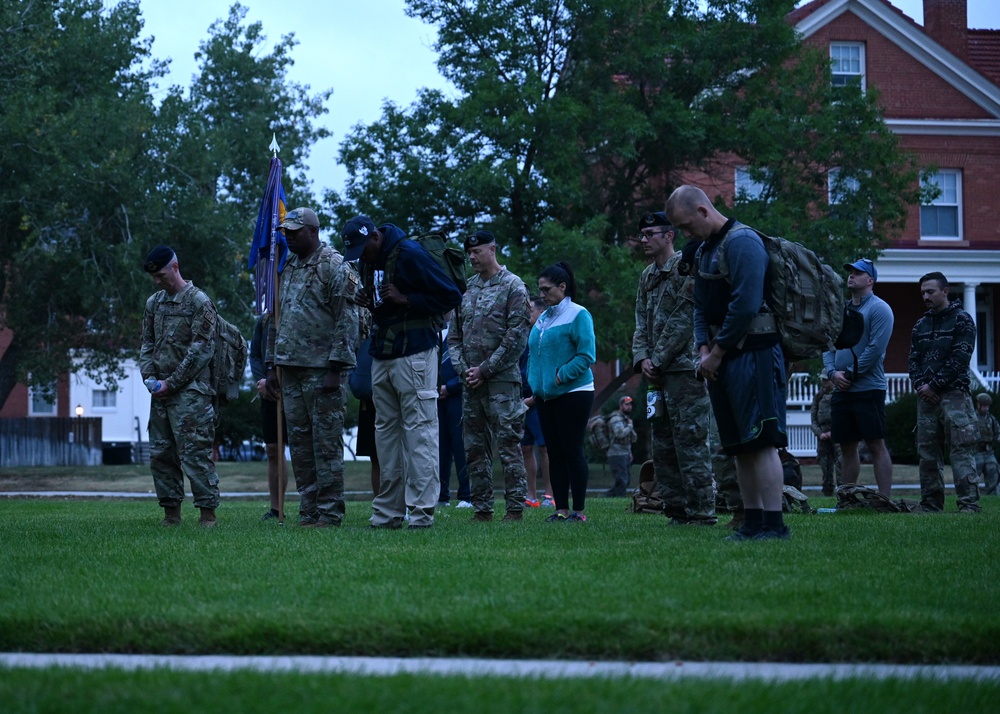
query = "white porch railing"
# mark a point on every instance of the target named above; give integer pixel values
(801, 390)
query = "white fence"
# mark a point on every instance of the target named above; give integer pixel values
(802, 388)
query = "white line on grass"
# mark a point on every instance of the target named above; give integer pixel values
(540, 669)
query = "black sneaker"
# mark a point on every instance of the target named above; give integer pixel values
(556, 518)
(271, 514)
(783, 533)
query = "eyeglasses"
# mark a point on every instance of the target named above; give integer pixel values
(544, 289)
(649, 234)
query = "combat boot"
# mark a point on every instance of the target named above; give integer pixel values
(738, 519)
(513, 516)
(171, 516)
(207, 519)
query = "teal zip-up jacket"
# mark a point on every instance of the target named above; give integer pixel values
(561, 343)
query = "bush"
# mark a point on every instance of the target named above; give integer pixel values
(900, 429)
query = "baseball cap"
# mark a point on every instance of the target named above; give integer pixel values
(356, 233)
(624, 400)
(864, 265)
(299, 217)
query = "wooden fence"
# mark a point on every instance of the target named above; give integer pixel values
(51, 441)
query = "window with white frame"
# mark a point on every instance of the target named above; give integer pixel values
(747, 187)
(42, 401)
(941, 219)
(104, 399)
(847, 64)
(841, 187)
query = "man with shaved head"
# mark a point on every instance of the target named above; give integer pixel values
(739, 354)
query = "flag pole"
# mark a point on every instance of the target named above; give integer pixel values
(282, 483)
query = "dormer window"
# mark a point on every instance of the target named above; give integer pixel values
(847, 64)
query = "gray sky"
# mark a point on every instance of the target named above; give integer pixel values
(365, 50)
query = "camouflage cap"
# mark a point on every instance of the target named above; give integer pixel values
(299, 217)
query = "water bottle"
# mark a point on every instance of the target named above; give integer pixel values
(654, 404)
(826, 510)
(152, 384)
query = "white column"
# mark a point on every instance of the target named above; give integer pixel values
(969, 303)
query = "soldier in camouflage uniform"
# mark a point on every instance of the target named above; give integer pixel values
(314, 343)
(827, 452)
(989, 437)
(178, 344)
(663, 351)
(621, 433)
(727, 484)
(487, 337)
(940, 350)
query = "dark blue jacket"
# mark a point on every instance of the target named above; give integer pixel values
(406, 330)
(447, 376)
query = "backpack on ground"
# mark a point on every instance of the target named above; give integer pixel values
(598, 433)
(805, 295)
(645, 499)
(855, 496)
(450, 257)
(794, 501)
(228, 366)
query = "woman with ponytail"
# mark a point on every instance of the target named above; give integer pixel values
(561, 349)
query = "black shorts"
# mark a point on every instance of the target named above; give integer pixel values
(857, 416)
(269, 422)
(365, 445)
(748, 401)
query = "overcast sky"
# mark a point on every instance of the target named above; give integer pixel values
(365, 50)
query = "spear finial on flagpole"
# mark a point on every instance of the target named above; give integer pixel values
(274, 146)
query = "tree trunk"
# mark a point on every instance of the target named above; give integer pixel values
(8, 370)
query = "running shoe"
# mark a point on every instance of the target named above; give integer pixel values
(574, 516)
(556, 518)
(532, 504)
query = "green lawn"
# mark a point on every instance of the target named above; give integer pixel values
(103, 576)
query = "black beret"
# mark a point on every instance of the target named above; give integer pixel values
(479, 238)
(655, 218)
(159, 257)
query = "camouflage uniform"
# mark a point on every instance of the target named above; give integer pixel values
(940, 349)
(664, 327)
(727, 485)
(827, 452)
(178, 343)
(986, 460)
(622, 434)
(490, 331)
(317, 331)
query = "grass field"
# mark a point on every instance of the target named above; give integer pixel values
(103, 576)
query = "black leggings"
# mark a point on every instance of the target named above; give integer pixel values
(564, 424)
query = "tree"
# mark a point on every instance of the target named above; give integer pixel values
(94, 174)
(572, 117)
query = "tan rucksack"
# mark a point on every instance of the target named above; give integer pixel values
(645, 499)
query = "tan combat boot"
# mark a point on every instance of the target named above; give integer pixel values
(171, 516)
(207, 519)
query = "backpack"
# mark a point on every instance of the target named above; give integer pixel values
(645, 499)
(792, 500)
(451, 258)
(806, 297)
(228, 366)
(853, 495)
(598, 433)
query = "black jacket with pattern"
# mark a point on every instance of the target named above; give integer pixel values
(941, 349)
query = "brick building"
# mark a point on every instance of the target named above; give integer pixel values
(940, 88)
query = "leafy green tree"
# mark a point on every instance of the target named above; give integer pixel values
(570, 118)
(93, 174)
